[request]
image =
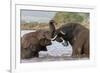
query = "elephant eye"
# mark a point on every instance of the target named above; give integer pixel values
(47, 40)
(59, 34)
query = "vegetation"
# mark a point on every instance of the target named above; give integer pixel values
(75, 17)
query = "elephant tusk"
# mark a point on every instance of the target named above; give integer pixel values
(54, 38)
(62, 32)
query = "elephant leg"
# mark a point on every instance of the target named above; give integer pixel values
(35, 54)
(86, 51)
(78, 43)
(85, 56)
(25, 53)
(77, 48)
(76, 52)
(43, 48)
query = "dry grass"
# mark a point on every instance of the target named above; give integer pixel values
(45, 26)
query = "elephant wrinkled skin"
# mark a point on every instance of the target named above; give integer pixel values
(33, 42)
(76, 34)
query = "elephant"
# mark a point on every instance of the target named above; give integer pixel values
(34, 42)
(74, 33)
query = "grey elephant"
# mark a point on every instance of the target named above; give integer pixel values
(76, 34)
(34, 42)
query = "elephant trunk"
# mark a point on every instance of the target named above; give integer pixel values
(52, 27)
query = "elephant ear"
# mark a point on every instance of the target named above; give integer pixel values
(41, 37)
(24, 43)
(42, 42)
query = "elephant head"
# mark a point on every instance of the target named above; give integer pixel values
(56, 34)
(44, 37)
